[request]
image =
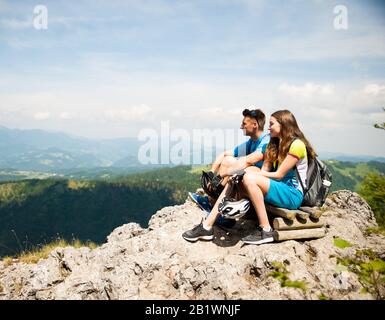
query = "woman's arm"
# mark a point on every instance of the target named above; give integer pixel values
(288, 163)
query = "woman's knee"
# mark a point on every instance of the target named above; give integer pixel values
(249, 179)
(252, 169)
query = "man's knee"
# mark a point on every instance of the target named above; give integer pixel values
(228, 161)
(226, 165)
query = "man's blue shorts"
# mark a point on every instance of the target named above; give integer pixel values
(283, 196)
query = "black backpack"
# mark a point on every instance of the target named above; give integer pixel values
(318, 183)
(211, 184)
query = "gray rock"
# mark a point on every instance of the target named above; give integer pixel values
(156, 263)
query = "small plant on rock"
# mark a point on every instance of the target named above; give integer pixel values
(282, 275)
(370, 270)
(341, 243)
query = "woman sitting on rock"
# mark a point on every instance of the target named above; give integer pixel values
(276, 183)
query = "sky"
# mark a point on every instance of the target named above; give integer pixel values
(108, 69)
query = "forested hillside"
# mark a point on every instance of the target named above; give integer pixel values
(36, 211)
(348, 175)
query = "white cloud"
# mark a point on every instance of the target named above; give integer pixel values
(129, 114)
(374, 89)
(41, 115)
(212, 112)
(307, 90)
(66, 115)
(120, 106)
(235, 111)
(176, 113)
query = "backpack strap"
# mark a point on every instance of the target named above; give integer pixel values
(299, 179)
(297, 173)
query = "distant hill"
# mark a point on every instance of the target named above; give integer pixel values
(349, 158)
(45, 151)
(348, 175)
(57, 152)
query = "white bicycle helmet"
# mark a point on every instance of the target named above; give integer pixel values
(233, 209)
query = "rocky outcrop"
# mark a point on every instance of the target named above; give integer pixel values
(156, 263)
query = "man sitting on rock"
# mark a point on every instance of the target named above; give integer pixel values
(247, 155)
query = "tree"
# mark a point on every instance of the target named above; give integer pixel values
(380, 125)
(372, 189)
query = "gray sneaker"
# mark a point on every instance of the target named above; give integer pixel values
(259, 237)
(198, 233)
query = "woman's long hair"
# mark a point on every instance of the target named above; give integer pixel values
(278, 150)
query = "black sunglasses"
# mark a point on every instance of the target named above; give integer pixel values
(251, 113)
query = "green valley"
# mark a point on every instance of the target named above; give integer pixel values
(34, 212)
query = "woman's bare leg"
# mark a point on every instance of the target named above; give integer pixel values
(257, 186)
(252, 169)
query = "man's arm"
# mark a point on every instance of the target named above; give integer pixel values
(253, 158)
(231, 165)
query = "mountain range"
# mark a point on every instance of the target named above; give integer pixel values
(55, 152)
(350, 158)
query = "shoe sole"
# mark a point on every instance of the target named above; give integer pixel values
(267, 240)
(192, 198)
(199, 238)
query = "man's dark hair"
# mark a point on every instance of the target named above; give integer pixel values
(256, 114)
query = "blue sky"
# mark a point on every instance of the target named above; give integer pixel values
(107, 69)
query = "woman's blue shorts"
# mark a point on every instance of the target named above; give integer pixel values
(283, 196)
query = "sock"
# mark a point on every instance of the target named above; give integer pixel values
(207, 228)
(267, 229)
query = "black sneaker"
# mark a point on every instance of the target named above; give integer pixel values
(259, 236)
(198, 233)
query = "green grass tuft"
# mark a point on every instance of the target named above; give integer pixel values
(379, 230)
(341, 243)
(370, 269)
(282, 275)
(323, 297)
(38, 253)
